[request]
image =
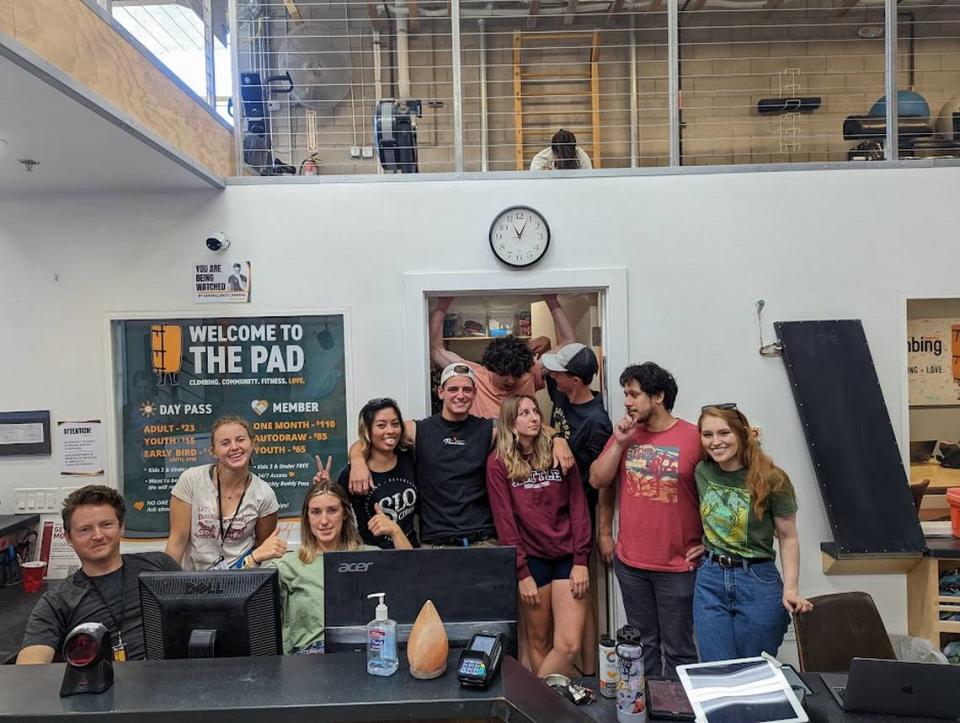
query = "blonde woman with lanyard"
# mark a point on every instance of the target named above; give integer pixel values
(221, 515)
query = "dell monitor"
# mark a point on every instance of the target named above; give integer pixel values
(473, 588)
(217, 613)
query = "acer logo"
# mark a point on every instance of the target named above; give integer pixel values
(354, 566)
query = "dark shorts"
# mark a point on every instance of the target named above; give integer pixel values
(546, 571)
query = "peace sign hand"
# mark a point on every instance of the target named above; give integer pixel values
(323, 471)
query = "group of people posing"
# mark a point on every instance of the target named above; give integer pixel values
(699, 507)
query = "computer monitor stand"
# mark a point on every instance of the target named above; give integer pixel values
(202, 644)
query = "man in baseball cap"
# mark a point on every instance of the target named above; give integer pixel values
(451, 464)
(578, 415)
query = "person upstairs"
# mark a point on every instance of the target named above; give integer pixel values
(650, 457)
(563, 154)
(104, 589)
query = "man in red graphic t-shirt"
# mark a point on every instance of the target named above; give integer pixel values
(650, 458)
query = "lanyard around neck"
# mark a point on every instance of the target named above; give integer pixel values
(224, 533)
(117, 621)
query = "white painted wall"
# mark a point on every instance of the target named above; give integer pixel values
(698, 251)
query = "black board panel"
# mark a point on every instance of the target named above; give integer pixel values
(854, 450)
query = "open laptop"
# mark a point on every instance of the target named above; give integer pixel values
(896, 687)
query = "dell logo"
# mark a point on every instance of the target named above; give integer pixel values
(354, 566)
(203, 588)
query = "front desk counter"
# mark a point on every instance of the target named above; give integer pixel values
(290, 688)
(317, 688)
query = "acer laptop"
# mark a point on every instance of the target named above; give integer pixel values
(473, 589)
(897, 687)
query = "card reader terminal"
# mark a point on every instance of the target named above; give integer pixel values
(480, 659)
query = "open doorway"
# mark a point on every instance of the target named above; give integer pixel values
(933, 392)
(595, 301)
(473, 321)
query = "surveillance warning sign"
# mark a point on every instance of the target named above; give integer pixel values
(176, 377)
(222, 282)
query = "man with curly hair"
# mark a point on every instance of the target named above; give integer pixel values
(508, 365)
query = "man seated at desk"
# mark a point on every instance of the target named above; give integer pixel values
(103, 590)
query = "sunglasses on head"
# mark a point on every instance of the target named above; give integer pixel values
(722, 405)
(380, 402)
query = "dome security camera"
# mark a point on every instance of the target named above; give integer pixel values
(218, 241)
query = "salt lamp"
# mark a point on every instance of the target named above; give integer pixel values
(427, 646)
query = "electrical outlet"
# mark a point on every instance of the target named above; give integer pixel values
(273, 105)
(354, 151)
(791, 634)
(367, 151)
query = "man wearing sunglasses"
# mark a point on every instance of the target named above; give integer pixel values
(650, 459)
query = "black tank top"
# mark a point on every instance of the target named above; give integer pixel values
(452, 477)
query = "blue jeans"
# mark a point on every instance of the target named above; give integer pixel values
(738, 611)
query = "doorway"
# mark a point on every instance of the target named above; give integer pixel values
(596, 304)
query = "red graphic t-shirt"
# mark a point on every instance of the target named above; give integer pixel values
(657, 494)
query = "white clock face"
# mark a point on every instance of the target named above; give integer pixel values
(519, 236)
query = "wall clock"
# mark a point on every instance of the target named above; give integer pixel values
(519, 236)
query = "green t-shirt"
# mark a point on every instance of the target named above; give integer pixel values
(730, 525)
(301, 599)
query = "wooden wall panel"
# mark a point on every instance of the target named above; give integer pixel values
(6, 16)
(71, 36)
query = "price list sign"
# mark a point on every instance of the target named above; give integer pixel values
(176, 377)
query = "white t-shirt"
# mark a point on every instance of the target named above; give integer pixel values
(197, 488)
(543, 161)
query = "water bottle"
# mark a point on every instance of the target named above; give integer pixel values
(609, 675)
(631, 701)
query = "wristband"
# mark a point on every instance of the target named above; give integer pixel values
(557, 435)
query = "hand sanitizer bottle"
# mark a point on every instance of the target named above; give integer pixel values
(381, 641)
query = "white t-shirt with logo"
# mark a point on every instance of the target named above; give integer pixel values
(198, 489)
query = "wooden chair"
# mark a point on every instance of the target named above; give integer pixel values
(841, 626)
(917, 490)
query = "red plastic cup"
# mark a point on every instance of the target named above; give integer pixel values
(32, 573)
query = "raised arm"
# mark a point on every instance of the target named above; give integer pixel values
(605, 467)
(561, 324)
(438, 354)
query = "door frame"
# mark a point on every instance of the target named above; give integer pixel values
(418, 288)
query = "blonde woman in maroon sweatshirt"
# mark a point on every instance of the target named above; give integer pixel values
(543, 513)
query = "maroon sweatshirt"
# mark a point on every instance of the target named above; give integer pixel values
(544, 515)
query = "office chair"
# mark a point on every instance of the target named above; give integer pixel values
(840, 627)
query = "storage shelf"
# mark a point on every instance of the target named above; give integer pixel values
(949, 626)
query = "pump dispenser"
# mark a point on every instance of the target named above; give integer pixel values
(381, 641)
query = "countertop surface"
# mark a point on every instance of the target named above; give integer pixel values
(12, 523)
